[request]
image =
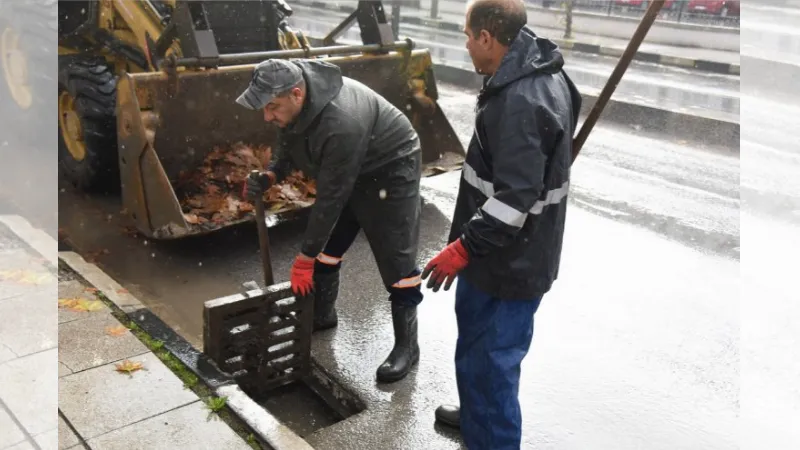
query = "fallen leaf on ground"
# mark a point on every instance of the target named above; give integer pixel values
(116, 331)
(92, 256)
(91, 290)
(67, 302)
(84, 305)
(24, 277)
(130, 231)
(122, 291)
(128, 366)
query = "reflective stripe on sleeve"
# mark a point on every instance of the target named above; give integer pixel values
(552, 197)
(504, 213)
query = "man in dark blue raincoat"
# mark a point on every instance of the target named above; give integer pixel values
(505, 241)
(366, 159)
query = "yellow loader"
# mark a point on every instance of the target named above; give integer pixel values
(147, 92)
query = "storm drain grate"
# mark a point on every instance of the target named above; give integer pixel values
(262, 337)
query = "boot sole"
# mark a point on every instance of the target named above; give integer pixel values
(448, 423)
(400, 376)
(324, 327)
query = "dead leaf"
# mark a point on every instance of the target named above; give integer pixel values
(122, 291)
(130, 231)
(84, 305)
(25, 277)
(128, 366)
(67, 302)
(212, 192)
(191, 218)
(116, 331)
(277, 206)
(91, 290)
(92, 256)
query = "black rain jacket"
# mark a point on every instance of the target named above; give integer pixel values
(512, 199)
(345, 131)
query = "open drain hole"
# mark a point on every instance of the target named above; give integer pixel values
(263, 339)
(310, 403)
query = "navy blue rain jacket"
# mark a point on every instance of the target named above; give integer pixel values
(512, 199)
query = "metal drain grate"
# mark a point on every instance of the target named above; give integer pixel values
(262, 338)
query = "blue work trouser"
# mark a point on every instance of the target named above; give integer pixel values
(493, 337)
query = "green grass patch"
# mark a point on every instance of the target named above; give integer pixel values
(216, 404)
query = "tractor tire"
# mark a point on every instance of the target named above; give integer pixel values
(28, 70)
(87, 147)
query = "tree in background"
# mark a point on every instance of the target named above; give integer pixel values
(568, 4)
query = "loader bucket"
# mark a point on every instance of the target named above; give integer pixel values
(168, 123)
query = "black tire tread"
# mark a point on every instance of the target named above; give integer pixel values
(92, 83)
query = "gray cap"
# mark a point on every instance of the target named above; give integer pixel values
(270, 78)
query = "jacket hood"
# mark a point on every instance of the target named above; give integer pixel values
(526, 55)
(323, 83)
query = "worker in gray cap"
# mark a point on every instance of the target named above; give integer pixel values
(366, 159)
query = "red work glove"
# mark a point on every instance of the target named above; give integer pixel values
(302, 275)
(446, 265)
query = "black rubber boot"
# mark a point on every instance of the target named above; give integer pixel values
(405, 353)
(449, 415)
(326, 289)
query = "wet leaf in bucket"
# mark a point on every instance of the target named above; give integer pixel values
(213, 192)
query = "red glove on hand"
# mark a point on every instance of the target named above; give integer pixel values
(446, 265)
(302, 276)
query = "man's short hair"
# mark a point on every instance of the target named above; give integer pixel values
(300, 85)
(501, 18)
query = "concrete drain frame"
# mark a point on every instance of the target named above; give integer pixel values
(262, 339)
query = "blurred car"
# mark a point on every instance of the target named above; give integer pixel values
(668, 4)
(722, 8)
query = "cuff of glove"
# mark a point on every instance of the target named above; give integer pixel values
(304, 260)
(460, 248)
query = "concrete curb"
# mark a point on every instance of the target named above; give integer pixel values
(37, 239)
(584, 47)
(698, 129)
(263, 424)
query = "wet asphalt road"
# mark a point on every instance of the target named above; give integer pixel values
(677, 89)
(635, 346)
(770, 226)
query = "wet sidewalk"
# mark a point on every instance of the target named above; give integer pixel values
(115, 389)
(28, 346)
